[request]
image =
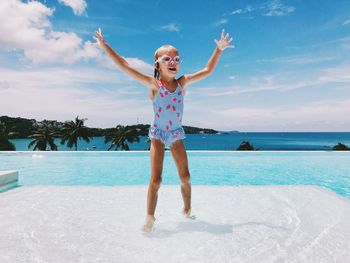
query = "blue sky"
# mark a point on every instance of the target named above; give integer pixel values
(289, 70)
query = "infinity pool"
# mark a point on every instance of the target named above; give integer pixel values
(327, 169)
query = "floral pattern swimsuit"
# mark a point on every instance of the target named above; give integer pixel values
(167, 123)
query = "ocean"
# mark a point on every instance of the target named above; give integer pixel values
(265, 141)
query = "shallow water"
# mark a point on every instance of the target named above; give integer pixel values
(327, 169)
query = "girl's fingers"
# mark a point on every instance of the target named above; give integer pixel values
(99, 32)
(225, 40)
(99, 36)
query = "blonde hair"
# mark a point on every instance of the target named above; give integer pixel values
(157, 54)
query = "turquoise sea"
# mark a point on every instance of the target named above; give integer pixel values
(291, 141)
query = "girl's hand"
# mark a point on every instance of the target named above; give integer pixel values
(224, 41)
(99, 39)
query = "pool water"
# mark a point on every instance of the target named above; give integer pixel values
(327, 169)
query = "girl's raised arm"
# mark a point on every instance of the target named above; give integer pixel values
(201, 74)
(141, 77)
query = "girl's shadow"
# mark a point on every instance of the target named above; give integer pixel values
(202, 226)
(194, 226)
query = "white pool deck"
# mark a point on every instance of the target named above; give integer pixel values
(233, 224)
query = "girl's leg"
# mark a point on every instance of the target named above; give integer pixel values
(180, 157)
(157, 157)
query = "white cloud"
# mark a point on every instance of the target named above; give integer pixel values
(259, 105)
(107, 62)
(107, 97)
(284, 82)
(28, 29)
(343, 42)
(232, 77)
(221, 22)
(325, 115)
(247, 9)
(269, 8)
(104, 97)
(172, 27)
(321, 115)
(346, 22)
(141, 65)
(276, 8)
(298, 60)
(78, 6)
(339, 74)
(333, 44)
(237, 11)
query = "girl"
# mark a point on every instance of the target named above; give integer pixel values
(166, 93)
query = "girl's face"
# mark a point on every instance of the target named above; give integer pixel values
(169, 62)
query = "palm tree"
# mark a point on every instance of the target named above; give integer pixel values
(74, 130)
(5, 144)
(121, 136)
(246, 146)
(42, 138)
(341, 147)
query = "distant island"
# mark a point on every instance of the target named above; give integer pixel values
(19, 128)
(227, 132)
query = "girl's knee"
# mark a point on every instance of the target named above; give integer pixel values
(185, 177)
(156, 181)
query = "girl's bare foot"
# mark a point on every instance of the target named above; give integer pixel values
(187, 213)
(149, 224)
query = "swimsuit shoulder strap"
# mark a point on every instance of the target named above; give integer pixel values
(160, 84)
(178, 83)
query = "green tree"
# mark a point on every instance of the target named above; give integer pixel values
(72, 131)
(121, 136)
(5, 144)
(341, 147)
(43, 138)
(246, 146)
